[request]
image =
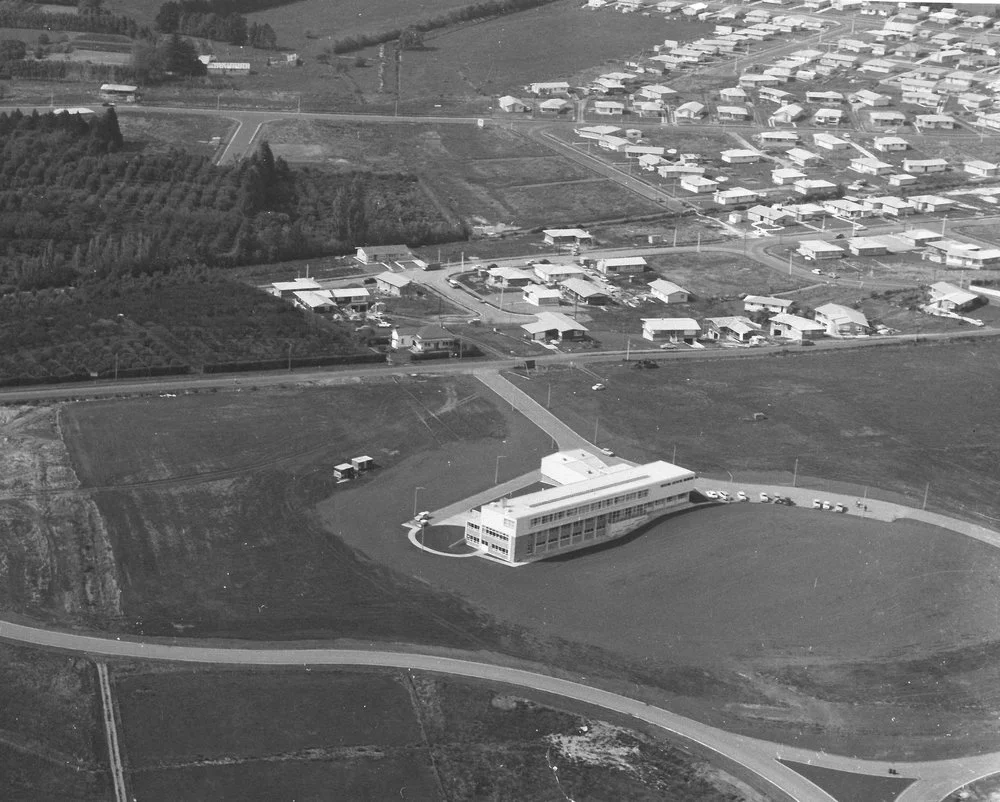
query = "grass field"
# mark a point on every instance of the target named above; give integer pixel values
(160, 132)
(327, 734)
(491, 174)
(52, 739)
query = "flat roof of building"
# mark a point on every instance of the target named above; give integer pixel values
(621, 481)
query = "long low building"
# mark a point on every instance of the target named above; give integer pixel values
(593, 503)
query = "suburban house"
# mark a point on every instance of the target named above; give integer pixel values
(830, 142)
(732, 327)
(941, 122)
(832, 98)
(740, 156)
(731, 113)
(787, 114)
(817, 249)
(867, 246)
(508, 277)
(670, 329)
(433, 338)
(554, 105)
(955, 254)
(828, 116)
(548, 87)
(890, 144)
(901, 179)
(512, 105)
(919, 237)
(786, 175)
(656, 92)
(552, 273)
(774, 215)
(668, 292)
(981, 169)
(889, 205)
(803, 157)
(320, 302)
(567, 236)
(692, 110)
(621, 264)
(931, 204)
(403, 337)
(868, 166)
(793, 327)
(609, 107)
(356, 299)
(845, 209)
(779, 96)
(921, 166)
(778, 137)
(842, 321)
(886, 119)
(392, 284)
(372, 254)
(228, 68)
(698, 183)
(815, 187)
(554, 326)
(733, 94)
(766, 303)
(805, 211)
(734, 196)
(287, 289)
(576, 289)
(949, 298)
(542, 296)
(865, 97)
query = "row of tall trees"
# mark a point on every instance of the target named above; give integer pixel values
(210, 19)
(25, 16)
(474, 11)
(72, 203)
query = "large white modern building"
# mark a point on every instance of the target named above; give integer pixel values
(592, 502)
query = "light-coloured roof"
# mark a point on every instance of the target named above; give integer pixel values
(819, 246)
(579, 233)
(670, 324)
(737, 323)
(767, 300)
(552, 321)
(666, 287)
(584, 289)
(798, 323)
(349, 292)
(623, 261)
(392, 279)
(296, 284)
(313, 299)
(837, 313)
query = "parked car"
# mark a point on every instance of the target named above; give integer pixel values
(827, 505)
(841, 508)
(710, 494)
(765, 497)
(741, 496)
(723, 495)
(784, 501)
(598, 386)
(607, 452)
(817, 504)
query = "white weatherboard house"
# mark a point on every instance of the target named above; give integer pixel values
(553, 326)
(733, 327)
(793, 327)
(621, 264)
(670, 329)
(592, 503)
(819, 249)
(370, 254)
(668, 292)
(842, 321)
(949, 298)
(766, 303)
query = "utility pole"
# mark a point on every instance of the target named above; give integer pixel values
(795, 473)
(548, 398)
(927, 490)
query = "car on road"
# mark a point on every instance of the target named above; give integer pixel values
(422, 517)
(598, 386)
(817, 271)
(710, 494)
(607, 452)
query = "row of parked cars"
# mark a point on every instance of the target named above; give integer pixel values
(828, 505)
(772, 498)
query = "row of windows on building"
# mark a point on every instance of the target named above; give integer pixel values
(481, 542)
(585, 508)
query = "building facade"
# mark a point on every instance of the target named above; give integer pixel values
(597, 503)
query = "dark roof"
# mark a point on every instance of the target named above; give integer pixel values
(433, 333)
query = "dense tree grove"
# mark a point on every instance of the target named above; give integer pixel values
(212, 19)
(191, 318)
(23, 16)
(73, 203)
(172, 56)
(475, 11)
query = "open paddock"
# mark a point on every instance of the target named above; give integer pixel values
(178, 717)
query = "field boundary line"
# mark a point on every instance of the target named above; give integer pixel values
(116, 766)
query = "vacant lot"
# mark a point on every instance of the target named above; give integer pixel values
(52, 738)
(160, 132)
(491, 174)
(211, 516)
(327, 734)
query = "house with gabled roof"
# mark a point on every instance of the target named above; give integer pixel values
(554, 326)
(393, 284)
(670, 329)
(433, 338)
(668, 292)
(731, 327)
(766, 303)
(795, 328)
(949, 298)
(587, 292)
(842, 321)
